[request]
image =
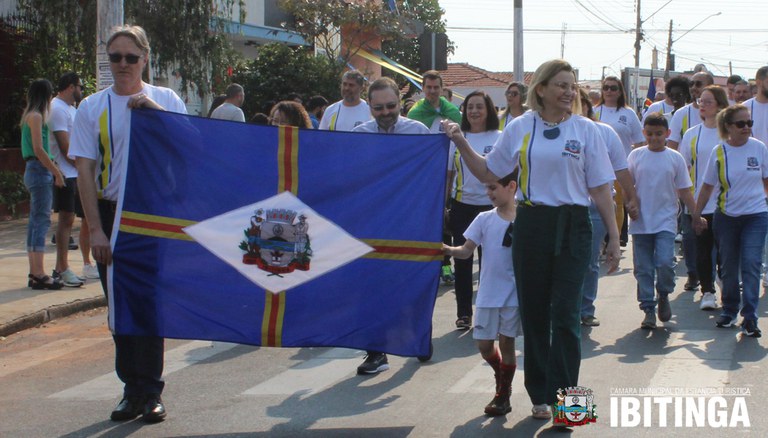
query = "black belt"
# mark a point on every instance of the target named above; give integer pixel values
(30, 159)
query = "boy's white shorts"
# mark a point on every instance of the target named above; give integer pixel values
(492, 321)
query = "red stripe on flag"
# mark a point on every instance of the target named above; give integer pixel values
(152, 225)
(287, 162)
(273, 314)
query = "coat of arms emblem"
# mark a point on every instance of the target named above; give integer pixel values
(575, 407)
(277, 241)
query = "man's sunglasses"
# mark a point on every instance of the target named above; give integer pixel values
(117, 57)
(742, 123)
(610, 88)
(389, 106)
(507, 242)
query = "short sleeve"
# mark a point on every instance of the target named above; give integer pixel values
(637, 129)
(682, 178)
(614, 148)
(474, 231)
(676, 126)
(502, 159)
(58, 121)
(597, 167)
(710, 175)
(83, 142)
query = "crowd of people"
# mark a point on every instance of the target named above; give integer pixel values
(541, 191)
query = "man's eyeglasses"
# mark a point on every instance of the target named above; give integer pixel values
(389, 106)
(742, 123)
(610, 88)
(130, 59)
(507, 242)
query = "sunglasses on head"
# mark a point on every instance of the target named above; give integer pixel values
(610, 88)
(130, 59)
(389, 106)
(742, 123)
(507, 242)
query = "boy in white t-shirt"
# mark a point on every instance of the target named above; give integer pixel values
(496, 312)
(661, 177)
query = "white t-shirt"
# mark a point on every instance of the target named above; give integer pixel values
(228, 111)
(553, 172)
(684, 119)
(497, 278)
(339, 117)
(102, 131)
(614, 147)
(403, 125)
(61, 119)
(737, 174)
(658, 176)
(625, 122)
(759, 113)
(696, 148)
(466, 188)
(660, 107)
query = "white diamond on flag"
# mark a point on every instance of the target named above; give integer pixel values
(278, 243)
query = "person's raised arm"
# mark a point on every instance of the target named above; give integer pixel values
(475, 162)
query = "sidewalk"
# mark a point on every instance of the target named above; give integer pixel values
(21, 307)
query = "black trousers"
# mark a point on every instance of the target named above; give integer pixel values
(461, 216)
(551, 251)
(138, 359)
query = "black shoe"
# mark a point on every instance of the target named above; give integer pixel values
(665, 310)
(725, 321)
(749, 327)
(72, 245)
(154, 411)
(128, 409)
(464, 323)
(374, 363)
(498, 406)
(692, 283)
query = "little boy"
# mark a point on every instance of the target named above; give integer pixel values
(660, 176)
(496, 303)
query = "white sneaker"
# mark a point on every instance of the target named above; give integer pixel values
(765, 280)
(708, 301)
(90, 271)
(679, 238)
(70, 279)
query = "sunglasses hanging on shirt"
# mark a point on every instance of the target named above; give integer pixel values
(507, 242)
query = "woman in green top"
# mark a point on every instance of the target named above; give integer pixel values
(39, 174)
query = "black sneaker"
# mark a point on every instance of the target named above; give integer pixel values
(665, 310)
(649, 321)
(692, 283)
(72, 245)
(374, 363)
(749, 328)
(464, 323)
(725, 321)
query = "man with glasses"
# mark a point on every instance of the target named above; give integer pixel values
(688, 116)
(677, 95)
(100, 138)
(351, 110)
(384, 97)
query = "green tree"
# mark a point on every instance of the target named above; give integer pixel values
(280, 70)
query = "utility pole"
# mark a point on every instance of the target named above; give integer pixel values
(109, 15)
(638, 38)
(518, 45)
(562, 42)
(670, 66)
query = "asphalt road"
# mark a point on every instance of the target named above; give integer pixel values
(58, 380)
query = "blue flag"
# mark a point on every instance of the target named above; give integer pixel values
(651, 95)
(277, 207)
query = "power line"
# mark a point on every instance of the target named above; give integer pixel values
(600, 18)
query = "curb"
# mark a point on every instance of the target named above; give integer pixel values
(54, 312)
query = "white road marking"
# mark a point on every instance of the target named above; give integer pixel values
(44, 353)
(107, 386)
(312, 375)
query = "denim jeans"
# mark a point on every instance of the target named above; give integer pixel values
(654, 259)
(39, 183)
(689, 245)
(589, 288)
(740, 240)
